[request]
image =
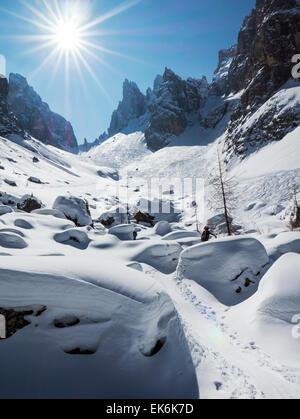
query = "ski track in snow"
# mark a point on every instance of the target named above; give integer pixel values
(237, 369)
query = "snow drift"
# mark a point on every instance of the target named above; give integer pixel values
(105, 333)
(228, 268)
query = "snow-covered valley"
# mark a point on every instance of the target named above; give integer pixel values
(164, 315)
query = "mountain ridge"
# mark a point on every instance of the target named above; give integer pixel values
(254, 69)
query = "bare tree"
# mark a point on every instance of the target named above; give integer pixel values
(222, 196)
(295, 215)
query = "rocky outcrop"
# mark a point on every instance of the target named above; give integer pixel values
(174, 99)
(269, 38)
(35, 116)
(163, 111)
(8, 122)
(220, 79)
(86, 146)
(131, 107)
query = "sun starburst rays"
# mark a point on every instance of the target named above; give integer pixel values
(66, 32)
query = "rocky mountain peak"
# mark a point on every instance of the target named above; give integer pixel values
(133, 105)
(36, 117)
(269, 38)
(8, 122)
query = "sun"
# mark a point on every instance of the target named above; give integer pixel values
(67, 35)
(67, 31)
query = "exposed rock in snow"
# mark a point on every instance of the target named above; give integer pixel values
(108, 172)
(33, 179)
(10, 182)
(36, 117)
(29, 203)
(114, 216)
(228, 268)
(75, 209)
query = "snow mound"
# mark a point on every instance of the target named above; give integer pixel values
(107, 333)
(161, 256)
(5, 210)
(123, 231)
(20, 222)
(162, 228)
(227, 268)
(73, 237)
(283, 243)
(12, 241)
(49, 211)
(273, 312)
(74, 209)
(177, 235)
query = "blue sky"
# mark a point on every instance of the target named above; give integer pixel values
(184, 35)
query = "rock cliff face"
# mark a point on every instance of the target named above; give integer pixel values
(173, 100)
(35, 116)
(131, 107)
(164, 109)
(269, 38)
(8, 122)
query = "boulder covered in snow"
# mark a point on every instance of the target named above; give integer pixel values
(114, 216)
(162, 228)
(229, 268)
(8, 199)
(33, 179)
(218, 224)
(29, 203)
(74, 238)
(123, 231)
(75, 209)
(10, 182)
